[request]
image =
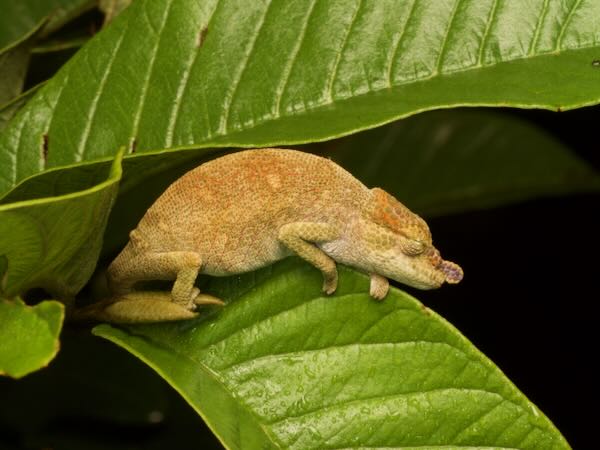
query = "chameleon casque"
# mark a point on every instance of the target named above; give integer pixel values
(246, 210)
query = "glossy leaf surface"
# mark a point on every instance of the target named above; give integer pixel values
(182, 74)
(281, 366)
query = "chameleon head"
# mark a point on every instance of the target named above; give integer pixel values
(398, 244)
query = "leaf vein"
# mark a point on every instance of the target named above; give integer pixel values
(565, 25)
(338, 58)
(444, 43)
(352, 345)
(89, 121)
(399, 395)
(396, 45)
(148, 76)
(486, 32)
(182, 87)
(287, 70)
(538, 28)
(232, 92)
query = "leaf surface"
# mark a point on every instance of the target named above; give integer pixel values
(183, 74)
(28, 335)
(51, 229)
(281, 366)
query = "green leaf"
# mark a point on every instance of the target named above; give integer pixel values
(9, 109)
(19, 18)
(187, 74)
(28, 335)
(281, 366)
(51, 233)
(443, 162)
(13, 68)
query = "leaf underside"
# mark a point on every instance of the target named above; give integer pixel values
(54, 242)
(166, 74)
(281, 366)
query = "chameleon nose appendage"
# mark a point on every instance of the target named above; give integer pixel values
(453, 272)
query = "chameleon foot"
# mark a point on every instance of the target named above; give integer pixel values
(330, 283)
(136, 307)
(379, 286)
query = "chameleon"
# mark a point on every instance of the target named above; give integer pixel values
(249, 209)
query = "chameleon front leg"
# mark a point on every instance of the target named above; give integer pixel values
(379, 286)
(300, 237)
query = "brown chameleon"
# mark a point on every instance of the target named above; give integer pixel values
(249, 209)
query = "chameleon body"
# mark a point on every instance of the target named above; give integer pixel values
(246, 210)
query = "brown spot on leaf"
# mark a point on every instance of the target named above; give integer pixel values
(45, 147)
(202, 37)
(596, 63)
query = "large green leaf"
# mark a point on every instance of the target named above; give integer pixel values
(282, 366)
(51, 229)
(443, 162)
(183, 74)
(28, 335)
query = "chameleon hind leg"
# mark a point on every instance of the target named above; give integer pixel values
(129, 305)
(300, 237)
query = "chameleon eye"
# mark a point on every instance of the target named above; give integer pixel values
(411, 247)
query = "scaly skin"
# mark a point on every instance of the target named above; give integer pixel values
(249, 209)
